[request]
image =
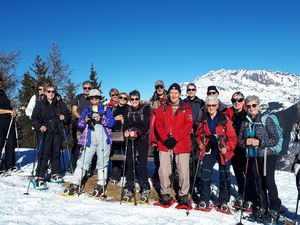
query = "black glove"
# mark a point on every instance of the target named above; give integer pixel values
(170, 142)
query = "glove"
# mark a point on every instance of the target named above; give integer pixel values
(170, 142)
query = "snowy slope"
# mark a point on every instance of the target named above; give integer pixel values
(283, 88)
(48, 207)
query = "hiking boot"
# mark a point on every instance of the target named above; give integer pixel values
(56, 178)
(145, 196)
(128, 195)
(166, 199)
(259, 213)
(39, 184)
(238, 203)
(72, 190)
(272, 217)
(203, 205)
(98, 191)
(183, 201)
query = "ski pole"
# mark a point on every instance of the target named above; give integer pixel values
(18, 146)
(68, 150)
(259, 183)
(103, 170)
(133, 168)
(124, 165)
(6, 138)
(83, 158)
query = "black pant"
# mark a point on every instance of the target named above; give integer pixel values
(9, 160)
(267, 189)
(75, 151)
(206, 170)
(140, 146)
(50, 151)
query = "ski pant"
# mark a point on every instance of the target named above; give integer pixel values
(182, 169)
(75, 152)
(140, 147)
(102, 149)
(9, 160)
(206, 172)
(50, 151)
(238, 162)
(266, 184)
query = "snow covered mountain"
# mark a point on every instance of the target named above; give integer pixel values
(276, 90)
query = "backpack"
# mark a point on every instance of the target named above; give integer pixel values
(277, 148)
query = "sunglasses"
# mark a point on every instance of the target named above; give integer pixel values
(234, 100)
(94, 97)
(122, 97)
(211, 105)
(212, 93)
(134, 99)
(251, 106)
(87, 88)
(159, 87)
(48, 91)
(191, 89)
(113, 95)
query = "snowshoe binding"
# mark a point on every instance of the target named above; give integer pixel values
(72, 190)
(165, 201)
(98, 192)
(183, 203)
(224, 208)
(57, 179)
(145, 195)
(127, 196)
(204, 206)
(39, 184)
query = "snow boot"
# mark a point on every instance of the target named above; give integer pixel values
(165, 201)
(204, 206)
(128, 196)
(56, 178)
(183, 203)
(145, 195)
(223, 208)
(98, 192)
(71, 190)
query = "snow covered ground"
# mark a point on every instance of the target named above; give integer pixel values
(48, 207)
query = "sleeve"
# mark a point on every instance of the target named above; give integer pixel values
(30, 106)
(75, 101)
(66, 112)
(36, 117)
(81, 122)
(185, 130)
(145, 126)
(231, 135)
(159, 124)
(271, 137)
(242, 136)
(108, 119)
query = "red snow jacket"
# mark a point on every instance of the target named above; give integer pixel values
(178, 126)
(225, 135)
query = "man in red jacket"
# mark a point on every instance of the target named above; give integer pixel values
(173, 124)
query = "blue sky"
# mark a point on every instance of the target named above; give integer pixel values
(134, 43)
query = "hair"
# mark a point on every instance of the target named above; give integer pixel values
(251, 98)
(50, 85)
(211, 98)
(191, 84)
(238, 93)
(135, 93)
(86, 82)
(123, 93)
(113, 90)
(41, 84)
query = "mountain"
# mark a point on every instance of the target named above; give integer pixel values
(276, 90)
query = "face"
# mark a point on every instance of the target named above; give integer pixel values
(123, 99)
(135, 101)
(87, 88)
(114, 96)
(95, 100)
(50, 93)
(212, 92)
(159, 89)
(212, 107)
(253, 108)
(238, 102)
(174, 96)
(41, 90)
(191, 91)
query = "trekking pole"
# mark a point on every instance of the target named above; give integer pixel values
(18, 146)
(6, 138)
(124, 165)
(133, 168)
(63, 159)
(34, 162)
(68, 150)
(259, 183)
(83, 158)
(103, 170)
(296, 211)
(244, 189)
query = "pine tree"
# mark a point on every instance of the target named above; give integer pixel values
(28, 88)
(40, 69)
(70, 92)
(94, 78)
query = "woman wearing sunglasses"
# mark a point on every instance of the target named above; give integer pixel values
(256, 138)
(49, 118)
(136, 127)
(217, 140)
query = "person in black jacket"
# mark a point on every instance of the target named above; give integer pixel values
(7, 113)
(49, 118)
(137, 127)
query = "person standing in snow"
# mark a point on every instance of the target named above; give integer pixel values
(35, 98)
(96, 121)
(217, 140)
(258, 138)
(173, 124)
(212, 90)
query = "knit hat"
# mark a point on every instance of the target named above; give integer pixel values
(159, 83)
(212, 88)
(94, 93)
(174, 86)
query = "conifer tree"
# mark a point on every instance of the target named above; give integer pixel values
(27, 89)
(40, 69)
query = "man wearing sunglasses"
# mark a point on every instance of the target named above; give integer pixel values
(114, 97)
(212, 90)
(78, 104)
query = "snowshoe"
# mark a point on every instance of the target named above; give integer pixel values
(183, 203)
(128, 196)
(39, 184)
(204, 206)
(165, 201)
(144, 199)
(98, 192)
(3, 173)
(248, 206)
(224, 208)
(57, 179)
(71, 190)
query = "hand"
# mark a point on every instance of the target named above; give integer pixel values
(249, 141)
(223, 151)
(170, 142)
(126, 134)
(255, 142)
(43, 129)
(61, 117)
(201, 146)
(97, 117)
(13, 113)
(133, 134)
(87, 119)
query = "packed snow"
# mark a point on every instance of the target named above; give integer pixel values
(49, 207)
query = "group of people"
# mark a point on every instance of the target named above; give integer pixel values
(186, 138)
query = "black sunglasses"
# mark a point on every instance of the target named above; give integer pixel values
(159, 87)
(125, 98)
(134, 99)
(191, 89)
(87, 88)
(234, 100)
(253, 106)
(48, 91)
(94, 97)
(113, 95)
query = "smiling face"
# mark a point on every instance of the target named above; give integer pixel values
(174, 96)
(114, 95)
(191, 91)
(134, 101)
(253, 108)
(212, 106)
(159, 90)
(50, 93)
(87, 87)
(95, 100)
(238, 102)
(123, 99)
